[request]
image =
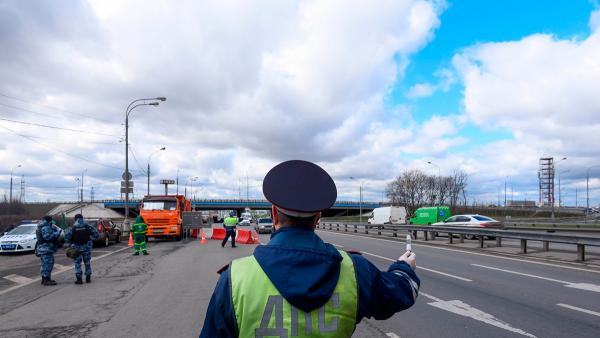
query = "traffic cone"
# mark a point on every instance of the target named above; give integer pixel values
(130, 240)
(255, 237)
(203, 240)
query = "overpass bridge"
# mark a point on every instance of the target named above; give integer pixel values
(338, 209)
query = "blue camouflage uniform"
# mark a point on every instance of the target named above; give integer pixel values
(85, 249)
(47, 247)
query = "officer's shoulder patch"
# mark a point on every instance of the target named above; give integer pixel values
(223, 269)
(354, 252)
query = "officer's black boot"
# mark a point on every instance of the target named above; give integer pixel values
(88, 278)
(145, 253)
(43, 281)
(79, 281)
(50, 281)
(136, 253)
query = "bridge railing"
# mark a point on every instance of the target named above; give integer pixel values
(430, 232)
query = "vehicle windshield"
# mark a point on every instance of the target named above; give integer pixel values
(23, 230)
(265, 220)
(482, 218)
(160, 205)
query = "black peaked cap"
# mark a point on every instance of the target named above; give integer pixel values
(299, 186)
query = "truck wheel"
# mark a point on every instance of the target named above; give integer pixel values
(106, 240)
(118, 239)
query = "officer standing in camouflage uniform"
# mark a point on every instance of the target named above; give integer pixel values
(139, 230)
(82, 236)
(46, 247)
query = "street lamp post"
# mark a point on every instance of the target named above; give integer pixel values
(360, 199)
(560, 188)
(81, 191)
(587, 188)
(130, 108)
(440, 181)
(10, 199)
(148, 172)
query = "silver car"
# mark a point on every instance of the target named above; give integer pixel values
(264, 225)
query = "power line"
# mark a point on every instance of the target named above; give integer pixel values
(55, 127)
(58, 150)
(50, 107)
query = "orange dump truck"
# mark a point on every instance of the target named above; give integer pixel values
(164, 214)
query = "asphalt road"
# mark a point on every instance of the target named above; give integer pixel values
(463, 294)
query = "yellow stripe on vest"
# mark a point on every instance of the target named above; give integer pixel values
(261, 311)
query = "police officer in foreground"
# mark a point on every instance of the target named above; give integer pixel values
(81, 236)
(229, 224)
(47, 237)
(297, 285)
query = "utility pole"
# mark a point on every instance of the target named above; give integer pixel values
(22, 194)
(247, 195)
(92, 195)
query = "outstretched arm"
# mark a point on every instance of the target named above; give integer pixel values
(383, 293)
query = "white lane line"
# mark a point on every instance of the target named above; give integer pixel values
(581, 286)
(421, 267)
(470, 252)
(338, 246)
(59, 267)
(521, 274)
(579, 309)
(392, 335)
(58, 272)
(463, 309)
(18, 279)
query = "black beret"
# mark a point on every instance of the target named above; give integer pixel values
(299, 186)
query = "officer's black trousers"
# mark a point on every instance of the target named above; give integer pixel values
(229, 233)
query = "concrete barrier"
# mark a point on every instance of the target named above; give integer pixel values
(218, 234)
(244, 237)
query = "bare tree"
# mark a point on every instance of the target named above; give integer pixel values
(414, 189)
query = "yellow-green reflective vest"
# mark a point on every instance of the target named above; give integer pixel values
(139, 228)
(261, 311)
(230, 221)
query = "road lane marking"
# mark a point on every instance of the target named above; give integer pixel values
(420, 267)
(392, 335)
(463, 309)
(579, 309)
(18, 279)
(58, 272)
(581, 286)
(59, 267)
(470, 252)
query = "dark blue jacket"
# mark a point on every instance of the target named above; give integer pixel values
(314, 267)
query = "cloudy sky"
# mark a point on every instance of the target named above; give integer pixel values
(366, 89)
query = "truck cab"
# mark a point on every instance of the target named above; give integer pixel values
(164, 215)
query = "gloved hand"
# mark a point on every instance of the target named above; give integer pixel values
(409, 257)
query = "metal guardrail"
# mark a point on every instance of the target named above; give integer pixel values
(430, 231)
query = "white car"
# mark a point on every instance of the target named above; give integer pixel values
(244, 222)
(471, 221)
(19, 239)
(264, 225)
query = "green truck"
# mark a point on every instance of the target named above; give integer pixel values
(430, 215)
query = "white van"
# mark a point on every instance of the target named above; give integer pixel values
(388, 215)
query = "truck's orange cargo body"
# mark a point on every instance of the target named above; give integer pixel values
(164, 215)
